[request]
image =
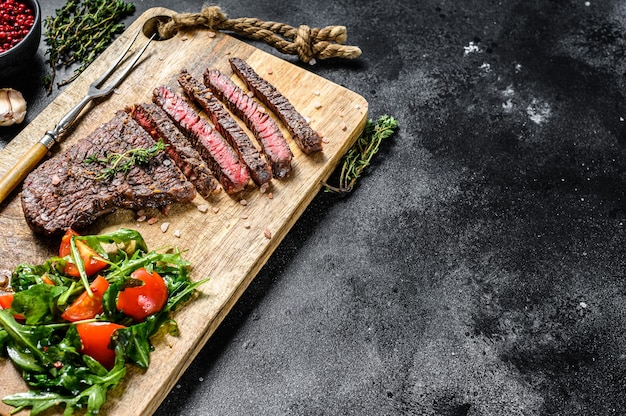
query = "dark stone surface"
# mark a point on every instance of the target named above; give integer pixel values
(478, 267)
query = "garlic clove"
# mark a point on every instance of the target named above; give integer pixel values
(12, 107)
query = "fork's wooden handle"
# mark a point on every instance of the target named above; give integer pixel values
(21, 169)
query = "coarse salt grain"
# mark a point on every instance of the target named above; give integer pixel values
(177, 233)
(141, 218)
(343, 126)
(216, 210)
(165, 226)
(270, 71)
(211, 34)
(250, 94)
(267, 233)
(244, 216)
(325, 140)
(317, 105)
(270, 195)
(316, 93)
(203, 208)
(153, 220)
(243, 202)
(246, 224)
(55, 179)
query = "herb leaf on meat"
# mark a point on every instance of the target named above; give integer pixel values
(123, 162)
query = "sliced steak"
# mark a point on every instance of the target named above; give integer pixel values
(219, 155)
(257, 166)
(264, 128)
(307, 139)
(154, 120)
(64, 191)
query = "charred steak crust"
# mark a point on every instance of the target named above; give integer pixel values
(219, 155)
(257, 166)
(264, 128)
(154, 120)
(64, 192)
(307, 139)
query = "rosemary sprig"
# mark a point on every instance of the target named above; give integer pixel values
(81, 30)
(123, 162)
(359, 156)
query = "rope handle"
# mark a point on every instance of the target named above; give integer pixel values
(308, 43)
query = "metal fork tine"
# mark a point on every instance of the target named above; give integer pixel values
(113, 84)
(110, 70)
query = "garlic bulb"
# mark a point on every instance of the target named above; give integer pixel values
(12, 107)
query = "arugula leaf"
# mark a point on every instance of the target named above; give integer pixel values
(48, 349)
(37, 303)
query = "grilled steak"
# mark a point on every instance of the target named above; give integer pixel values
(154, 120)
(65, 192)
(307, 139)
(263, 126)
(219, 155)
(257, 166)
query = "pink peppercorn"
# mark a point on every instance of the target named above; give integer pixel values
(16, 20)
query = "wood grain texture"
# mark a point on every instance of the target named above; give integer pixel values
(230, 245)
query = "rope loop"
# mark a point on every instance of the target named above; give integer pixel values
(308, 43)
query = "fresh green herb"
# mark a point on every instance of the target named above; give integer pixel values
(47, 349)
(360, 154)
(81, 30)
(123, 162)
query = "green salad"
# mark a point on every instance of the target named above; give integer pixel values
(73, 323)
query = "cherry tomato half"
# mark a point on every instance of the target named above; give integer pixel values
(95, 338)
(91, 259)
(85, 306)
(6, 300)
(138, 302)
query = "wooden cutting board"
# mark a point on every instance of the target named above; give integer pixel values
(228, 242)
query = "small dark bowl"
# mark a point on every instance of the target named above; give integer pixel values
(23, 52)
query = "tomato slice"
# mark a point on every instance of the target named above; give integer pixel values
(6, 300)
(65, 247)
(138, 302)
(95, 338)
(85, 306)
(90, 257)
(47, 280)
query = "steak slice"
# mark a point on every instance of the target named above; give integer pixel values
(257, 166)
(64, 191)
(219, 155)
(154, 120)
(307, 139)
(264, 128)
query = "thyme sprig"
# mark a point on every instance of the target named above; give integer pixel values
(80, 31)
(123, 162)
(359, 156)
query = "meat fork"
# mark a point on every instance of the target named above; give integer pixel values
(36, 153)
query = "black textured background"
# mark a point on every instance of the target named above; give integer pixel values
(478, 267)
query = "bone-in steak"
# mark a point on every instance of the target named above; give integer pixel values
(64, 191)
(264, 128)
(307, 139)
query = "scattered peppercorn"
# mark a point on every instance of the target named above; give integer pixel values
(16, 20)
